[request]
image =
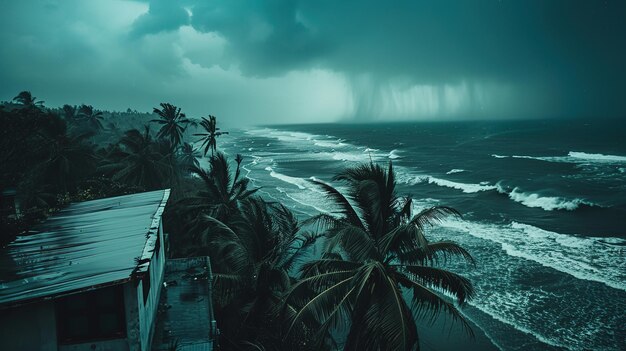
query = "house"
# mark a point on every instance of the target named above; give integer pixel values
(89, 278)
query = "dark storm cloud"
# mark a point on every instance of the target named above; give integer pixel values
(293, 61)
(163, 15)
(572, 50)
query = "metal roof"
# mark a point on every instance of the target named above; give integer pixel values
(87, 244)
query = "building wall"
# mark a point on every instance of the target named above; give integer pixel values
(132, 316)
(147, 311)
(29, 327)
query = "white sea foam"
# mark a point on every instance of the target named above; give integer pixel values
(334, 144)
(587, 258)
(310, 143)
(455, 170)
(573, 157)
(350, 156)
(597, 157)
(282, 135)
(299, 182)
(317, 202)
(394, 154)
(406, 177)
(548, 203)
(466, 188)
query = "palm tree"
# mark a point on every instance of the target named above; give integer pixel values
(69, 158)
(174, 123)
(189, 157)
(141, 161)
(251, 259)
(378, 268)
(91, 117)
(26, 99)
(208, 139)
(69, 112)
(221, 193)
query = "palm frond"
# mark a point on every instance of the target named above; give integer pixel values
(443, 280)
(427, 304)
(344, 205)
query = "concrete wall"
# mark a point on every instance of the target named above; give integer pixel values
(29, 327)
(147, 311)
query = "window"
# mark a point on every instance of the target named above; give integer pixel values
(93, 315)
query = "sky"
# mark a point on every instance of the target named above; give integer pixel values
(288, 61)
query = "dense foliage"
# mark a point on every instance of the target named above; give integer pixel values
(377, 273)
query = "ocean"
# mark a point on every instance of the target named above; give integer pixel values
(543, 204)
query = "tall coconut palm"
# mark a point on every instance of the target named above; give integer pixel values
(378, 270)
(209, 138)
(173, 123)
(90, 117)
(26, 99)
(140, 161)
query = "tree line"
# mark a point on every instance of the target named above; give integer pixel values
(372, 276)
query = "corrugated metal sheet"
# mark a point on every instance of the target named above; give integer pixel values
(87, 244)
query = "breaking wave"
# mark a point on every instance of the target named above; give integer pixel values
(464, 187)
(588, 258)
(573, 157)
(547, 203)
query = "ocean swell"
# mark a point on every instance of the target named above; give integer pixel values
(547, 203)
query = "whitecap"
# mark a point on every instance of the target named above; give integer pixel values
(405, 177)
(299, 182)
(334, 144)
(573, 157)
(588, 258)
(393, 154)
(596, 157)
(548, 203)
(466, 188)
(455, 170)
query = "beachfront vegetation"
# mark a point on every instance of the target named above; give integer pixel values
(210, 134)
(374, 272)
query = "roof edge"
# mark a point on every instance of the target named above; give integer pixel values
(152, 235)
